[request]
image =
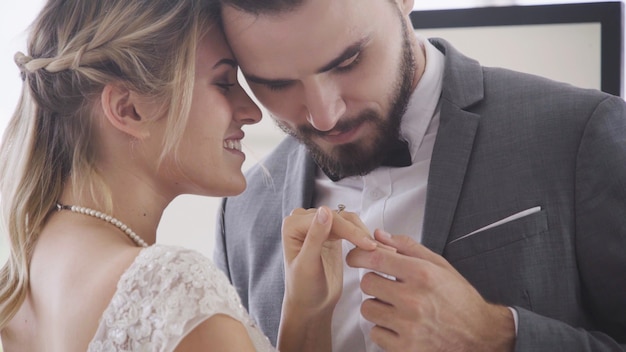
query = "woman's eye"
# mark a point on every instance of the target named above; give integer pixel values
(349, 63)
(225, 86)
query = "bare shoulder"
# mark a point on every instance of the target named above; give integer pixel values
(77, 267)
(221, 333)
(72, 282)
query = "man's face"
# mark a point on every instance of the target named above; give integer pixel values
(336, 74)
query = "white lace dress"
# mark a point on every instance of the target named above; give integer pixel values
(165, 293)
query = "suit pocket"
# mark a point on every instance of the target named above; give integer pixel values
(497, 237)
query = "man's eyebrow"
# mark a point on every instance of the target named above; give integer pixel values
(266, 81)
(345, 55)
(226, 61)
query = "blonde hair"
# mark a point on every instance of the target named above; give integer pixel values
(75, 48)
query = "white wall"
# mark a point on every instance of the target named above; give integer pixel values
(189, 220)
(14, 19)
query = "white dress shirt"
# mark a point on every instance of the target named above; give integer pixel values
(382, 197)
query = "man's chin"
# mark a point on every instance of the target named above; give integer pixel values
(345, 163)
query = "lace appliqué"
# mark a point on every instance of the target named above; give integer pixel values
(162, 297)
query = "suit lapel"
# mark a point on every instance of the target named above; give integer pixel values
(462, 87)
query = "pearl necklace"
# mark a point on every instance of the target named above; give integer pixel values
(108, 218)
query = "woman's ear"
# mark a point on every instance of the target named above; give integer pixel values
(119, 105)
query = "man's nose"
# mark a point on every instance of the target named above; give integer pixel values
(324, 103)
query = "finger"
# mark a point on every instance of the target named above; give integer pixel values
(383, 288)
(379, 313)
(386, 247)
(355, 219)
(317, 234)
(382, 333)
(294, 231)
(408, 246)
(296, 225)
(384, 338)
(383, 261)
(349, 227)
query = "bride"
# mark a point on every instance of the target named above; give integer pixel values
(127, 104)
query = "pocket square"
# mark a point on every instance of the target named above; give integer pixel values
(515, 216)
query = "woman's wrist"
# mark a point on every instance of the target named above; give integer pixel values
(304, 330)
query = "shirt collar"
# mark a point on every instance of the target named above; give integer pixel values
(424, 99)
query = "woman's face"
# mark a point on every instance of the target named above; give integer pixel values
(209, 157)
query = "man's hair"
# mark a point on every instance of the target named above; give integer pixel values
(258, 7)
(267, 7)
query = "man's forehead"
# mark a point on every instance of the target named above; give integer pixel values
(314, 19)
(306, 16)
(269, 45)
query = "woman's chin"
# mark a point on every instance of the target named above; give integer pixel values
(231, 187)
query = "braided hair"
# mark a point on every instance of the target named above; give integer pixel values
(75, 48)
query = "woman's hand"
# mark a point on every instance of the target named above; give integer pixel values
(314, 274)
(313, 256)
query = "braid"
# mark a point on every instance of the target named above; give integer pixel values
(77, 47)
(71, 61)
(68, 61)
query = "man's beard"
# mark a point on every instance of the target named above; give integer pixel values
(352, 159)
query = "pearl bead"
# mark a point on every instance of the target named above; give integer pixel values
(105, 217)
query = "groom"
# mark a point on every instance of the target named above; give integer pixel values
(511, 188)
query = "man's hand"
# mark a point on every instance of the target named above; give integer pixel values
(429, 306)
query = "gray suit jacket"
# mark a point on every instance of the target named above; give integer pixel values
(507, 142)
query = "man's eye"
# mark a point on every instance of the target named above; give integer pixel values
(278, 86)
(349, 64)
